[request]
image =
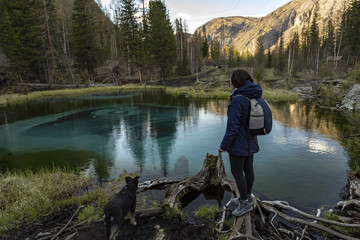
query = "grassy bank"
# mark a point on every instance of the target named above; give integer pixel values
(25, 196)
(191, 92)
(7, 99)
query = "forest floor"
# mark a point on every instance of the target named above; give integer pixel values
(146, 228)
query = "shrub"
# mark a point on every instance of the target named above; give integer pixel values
(207, 211)
(353, 77)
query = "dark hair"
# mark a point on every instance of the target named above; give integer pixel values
(240, 77)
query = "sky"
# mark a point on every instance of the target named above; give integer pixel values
(198, 12)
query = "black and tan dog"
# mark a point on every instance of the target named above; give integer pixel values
(118, 207)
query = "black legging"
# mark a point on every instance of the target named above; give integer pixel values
(239, 166)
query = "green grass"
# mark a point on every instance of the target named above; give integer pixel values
(27, 195)
(194, 92)
(8, 99)
(207, 211)
(279, 95)
(89, 214)
(221, 93)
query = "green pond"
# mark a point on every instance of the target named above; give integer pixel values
(305, 159)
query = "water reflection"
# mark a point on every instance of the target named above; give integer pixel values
(340, 126)
(301, 161)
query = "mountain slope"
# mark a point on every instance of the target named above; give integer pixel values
(243, 32)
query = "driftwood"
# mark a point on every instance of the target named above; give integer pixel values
(211, 181)
(267, 221)
(347, 203)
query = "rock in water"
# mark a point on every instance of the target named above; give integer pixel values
(352, 99)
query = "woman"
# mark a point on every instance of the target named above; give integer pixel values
(240, 145)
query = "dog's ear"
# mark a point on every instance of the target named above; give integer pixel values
(137, 179)
(127, 179)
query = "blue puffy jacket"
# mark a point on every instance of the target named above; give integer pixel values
(235, 139)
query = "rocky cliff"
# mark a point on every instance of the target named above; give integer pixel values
(293, 17)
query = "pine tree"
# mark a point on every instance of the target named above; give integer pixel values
(86, 47)
(130, 43)
(314, 39)
(329, 39)
(181, 42)
(143, 55)
(161, 37)
(352, 31)
(204, 45)
(269, 59)
(21, 38)
(49, 30)
(260, 52)
(232, 55)
(280, 54)
(215, 51)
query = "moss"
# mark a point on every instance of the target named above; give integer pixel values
(89, 214)
(225, 236)
(173, 212)
(344, 230)
(207, 211)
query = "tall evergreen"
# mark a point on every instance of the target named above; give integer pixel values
(143, 55)
(232, 56)
(314, 39)
(161, 37)
(130, 39)
(269, 59)
(280, 54)
(215, 51)
(182, 54)
(260, 52)
(21, 38)
(329, 40)
(204, 45)
(85, 44)
(352, 30)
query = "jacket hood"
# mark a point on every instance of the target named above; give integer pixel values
(250, 90)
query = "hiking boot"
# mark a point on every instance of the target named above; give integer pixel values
(250, 200)
(244, 207)
(236, 201)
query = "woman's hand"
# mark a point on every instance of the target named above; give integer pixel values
(220, 150)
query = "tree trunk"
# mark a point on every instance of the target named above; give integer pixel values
(50, 47)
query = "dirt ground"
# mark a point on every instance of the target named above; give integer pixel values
(145, 229)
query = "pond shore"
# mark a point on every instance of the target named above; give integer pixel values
(78, 204)
(188, 91)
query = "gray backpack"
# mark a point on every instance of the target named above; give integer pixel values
(260, 119)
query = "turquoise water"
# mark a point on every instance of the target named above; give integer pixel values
(302, 161)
